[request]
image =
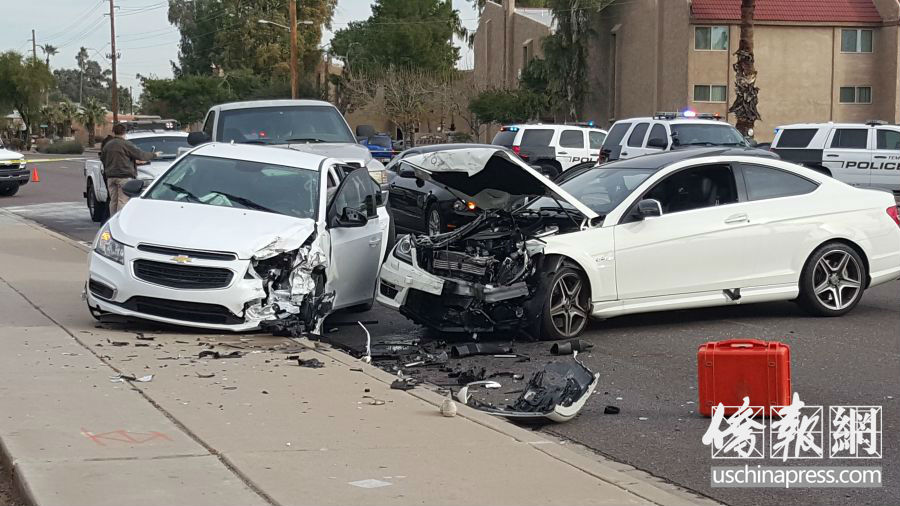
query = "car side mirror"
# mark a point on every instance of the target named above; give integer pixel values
(197, 138)
(657, 143)
(648, 208)
(406, 172)
(133, 188)
(350, 218)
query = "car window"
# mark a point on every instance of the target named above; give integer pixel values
(796, 137)
(636, 139)
(768, 183)
(888, 139)
(705, 134)
(208, 125)
(505, 138)
(571, 139)
(538, 138)
(168, 145)
(616, 134)
(241, 184)
(695, 188)
(595, 139)
(284, 124)
(357, 191)
(602, 189)
(850, 138)
(658, 132)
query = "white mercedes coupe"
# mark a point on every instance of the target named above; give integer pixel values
(687, 229)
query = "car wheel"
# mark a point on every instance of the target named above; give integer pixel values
(99, 210)
(9, 189)
(567, 307)
(434, 222)
(833, 280)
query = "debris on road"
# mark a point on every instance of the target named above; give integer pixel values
(140, 336)
(448, 407)
(472, 349)
(568, 347)
(611, 410)
(204, 375)
(404, 383)
(122, 378)
(312, 363)
(218, 355)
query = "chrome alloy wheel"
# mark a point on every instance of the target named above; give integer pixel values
(568, 307)
(837, 279)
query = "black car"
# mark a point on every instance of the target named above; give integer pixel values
(421, 206)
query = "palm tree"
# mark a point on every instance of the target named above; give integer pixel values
(92, 115)
(51, 116)
(746, 94)
(49, 50)
(68, 111)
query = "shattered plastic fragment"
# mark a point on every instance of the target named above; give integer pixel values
(568, 347)
(312, 363)
(218, 355)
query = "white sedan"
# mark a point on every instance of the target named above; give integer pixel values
(236, 237)
(687, 229)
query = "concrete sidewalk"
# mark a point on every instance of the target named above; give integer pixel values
(260, 431)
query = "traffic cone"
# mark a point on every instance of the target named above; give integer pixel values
(35, 178)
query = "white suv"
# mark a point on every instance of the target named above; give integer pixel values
(865, 155)
(553, 148)
(629, 138)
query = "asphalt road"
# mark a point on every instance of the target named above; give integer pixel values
(647, 365)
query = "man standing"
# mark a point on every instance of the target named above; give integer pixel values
(119, 156)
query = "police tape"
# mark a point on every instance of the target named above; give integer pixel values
(40, 160)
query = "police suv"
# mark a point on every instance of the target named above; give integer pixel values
(665, 131)
(859, 154)
(552, 148)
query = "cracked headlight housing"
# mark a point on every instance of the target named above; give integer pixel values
(108, 247)
(403, 250)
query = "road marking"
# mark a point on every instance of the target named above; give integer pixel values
(42, 160)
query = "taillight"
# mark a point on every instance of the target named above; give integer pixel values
(516, 149)
(892, 212)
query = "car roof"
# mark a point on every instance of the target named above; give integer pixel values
(657, 161)
(265, 154)
(833, 125)
(431, 148)
(701, 121)
(552, 125)
(270, 103)
(141, 134)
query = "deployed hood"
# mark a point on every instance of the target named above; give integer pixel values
(489, 177)
(210, 228)
(340, 150)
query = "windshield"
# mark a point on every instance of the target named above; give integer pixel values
(284, 125)
(706, 135)
(601, 189)
(504, 138)
(168, 145)
(381, 141)
(240, 184)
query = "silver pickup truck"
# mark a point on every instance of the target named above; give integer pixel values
(166, 141)
(312, 126)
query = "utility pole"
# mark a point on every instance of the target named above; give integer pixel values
(292, 8)
(115, 83)
(33, 45)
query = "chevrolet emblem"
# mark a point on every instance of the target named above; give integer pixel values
(181, 259)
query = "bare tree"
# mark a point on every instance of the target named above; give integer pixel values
(464, 91)
(746, 94)
(407, 96)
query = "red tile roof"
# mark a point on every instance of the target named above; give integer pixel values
(801, 11)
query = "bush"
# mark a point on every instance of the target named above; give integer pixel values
(63, 148)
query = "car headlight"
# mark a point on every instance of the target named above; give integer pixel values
(108, 247)
(461, 206)
(403, 251)
(22, 163)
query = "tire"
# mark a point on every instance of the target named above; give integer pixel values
(9, 189)
(833, 280)
(549, 170)
(568, 300)
(99, 210)
(434, 222)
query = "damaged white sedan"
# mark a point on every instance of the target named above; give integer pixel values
(238, 237)
(679, 230)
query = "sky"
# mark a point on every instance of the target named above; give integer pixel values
(145, 40)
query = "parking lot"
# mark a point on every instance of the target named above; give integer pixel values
(647, 365)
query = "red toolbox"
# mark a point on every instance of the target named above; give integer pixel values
(728, 371)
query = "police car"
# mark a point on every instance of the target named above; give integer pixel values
(553, 148)
(859, 154)
(665, 131)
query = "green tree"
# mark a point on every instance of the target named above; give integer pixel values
(23, 83)
(505, 106)
(68, 112)
(186, 98)
(87, 80)
(401, 33)
(49, 50)
(92, 115)
(50, 115)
